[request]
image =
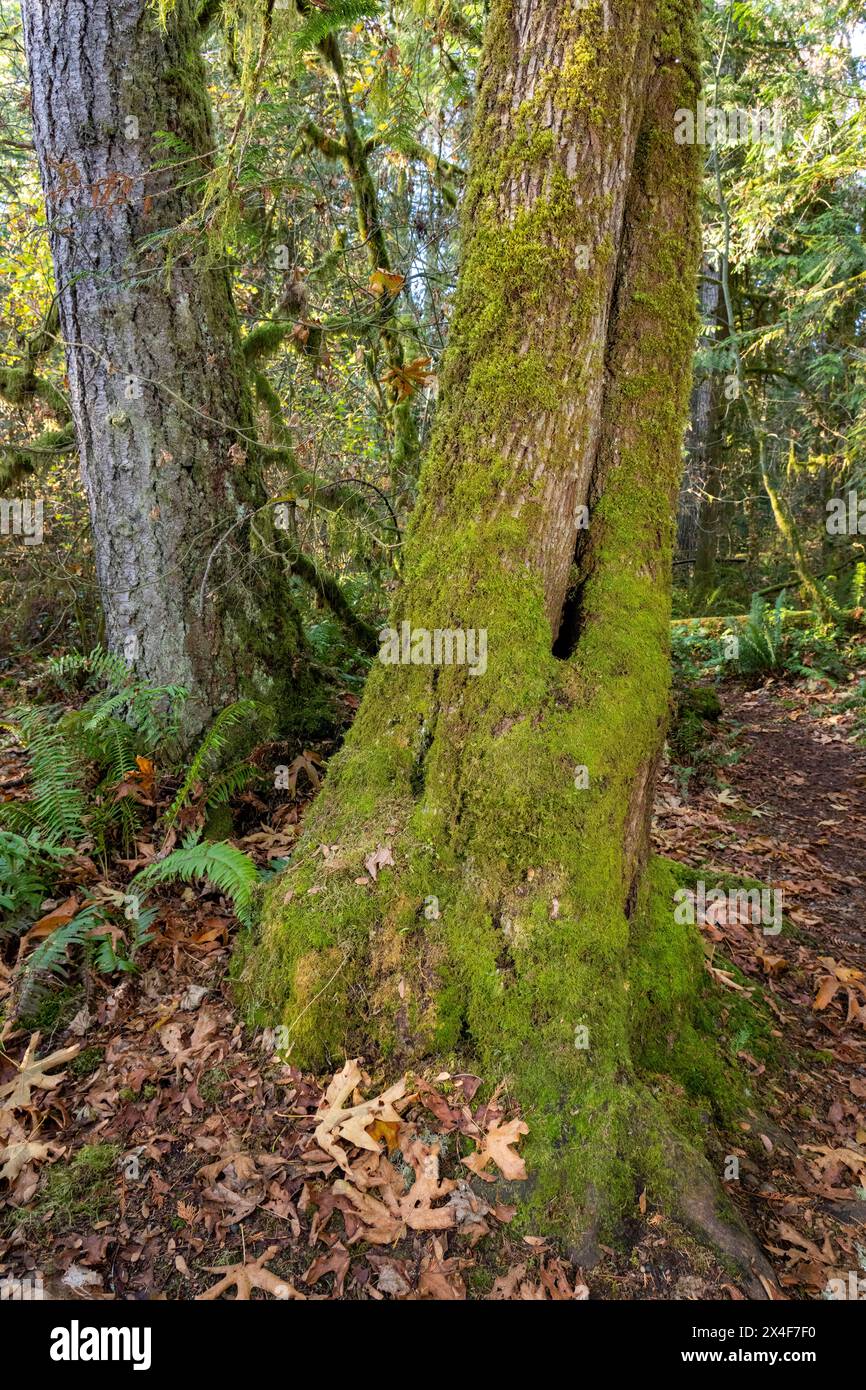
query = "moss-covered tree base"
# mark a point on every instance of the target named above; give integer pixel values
(473, 884)
(616, 1082)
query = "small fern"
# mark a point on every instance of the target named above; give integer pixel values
(227, 784)
(45, 968)
(29, 867)
(109, 959)
(208, 751)
(118, 748)
(92, 930)
(98, 667)
(77, 758)
(340, 14)
(762, 638)
(56, 772)
(227, 868)
(152, 711)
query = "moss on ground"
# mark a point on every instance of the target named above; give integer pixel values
(87, 1062)
(78, 1192)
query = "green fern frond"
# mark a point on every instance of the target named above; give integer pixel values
(227, 868)
(227, 784)
(45, 967)
(19, 816)
(117, 759)
(340, 14)
(99, 666)
(28, 869)
(151, 710)
(208, 750)
(57, 773)
(109, 959)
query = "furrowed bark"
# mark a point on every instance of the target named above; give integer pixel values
(156, 378)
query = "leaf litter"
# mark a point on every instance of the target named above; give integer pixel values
(239, 1177)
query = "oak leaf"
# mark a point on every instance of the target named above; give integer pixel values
(245, 1277)
(32, 1074)
(496, 1146)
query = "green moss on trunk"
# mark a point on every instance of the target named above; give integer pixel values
(516, 925)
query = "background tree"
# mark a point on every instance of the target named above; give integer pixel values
(783, 228)
(191, 583)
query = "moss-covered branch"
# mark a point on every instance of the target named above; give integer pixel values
(444, 171)
(208, 13)
(327, 587)
(23, 387)
(790, 534)
(313, 136)
(372, 235)
(17, 460)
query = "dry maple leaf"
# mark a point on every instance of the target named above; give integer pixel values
(827, 1157)
(379, 859)
(17, 1093)
(496, 1146)
(304, 762)
(416, 1207)
(382, 281)
(352, 1122)
(381, 1226)
(406, 379)
(57, 917)
(336, 1262)
(17, 1156)
(439, 1277)
(248, 1276)
(841, 977)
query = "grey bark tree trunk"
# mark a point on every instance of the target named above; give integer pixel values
(698, 441)
(191, 594)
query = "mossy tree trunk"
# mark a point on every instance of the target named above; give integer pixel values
(156, 377)
(789, 531)
(521, 924)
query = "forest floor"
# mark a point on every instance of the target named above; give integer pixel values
(794, 817)
(158, 1149)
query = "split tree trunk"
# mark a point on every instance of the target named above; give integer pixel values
(156, 378)
(521, 927)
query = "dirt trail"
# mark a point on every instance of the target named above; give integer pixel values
(794, 817)
(810, 781)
